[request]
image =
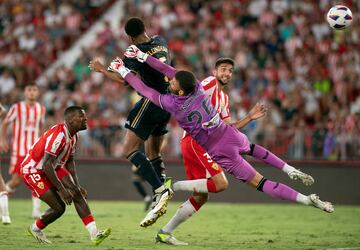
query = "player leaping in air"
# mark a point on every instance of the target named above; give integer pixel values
(49, 172)
(146, 122)
(225, 144)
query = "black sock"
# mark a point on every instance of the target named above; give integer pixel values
(159, 168)
(144, 168)
(140, 188)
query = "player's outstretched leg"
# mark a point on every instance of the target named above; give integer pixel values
(284, 192)
(4, 208)
(215, 184)
(184, 212)
(268, 157)
(162, 194)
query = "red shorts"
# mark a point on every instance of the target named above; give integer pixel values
(38, 183)
(198, 164)
(15, 164)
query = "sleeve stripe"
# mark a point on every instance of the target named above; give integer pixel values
(161, 106)
(209, 85)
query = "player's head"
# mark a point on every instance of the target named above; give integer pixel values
(31, 92)
(183, 83)
(134, 27)
(75, 118)
(223, 71)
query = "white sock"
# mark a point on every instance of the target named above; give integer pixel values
(303, 199)
(91, 227)
(185, 211)
(35, 228)
(287, 168)
(4, 203)
(36, 204)
(199, 186)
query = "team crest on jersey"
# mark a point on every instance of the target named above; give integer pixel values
(215, 166)
(40, 185)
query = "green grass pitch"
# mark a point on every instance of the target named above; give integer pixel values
(216, 226)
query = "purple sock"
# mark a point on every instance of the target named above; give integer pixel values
(279, 190)
(266, 156)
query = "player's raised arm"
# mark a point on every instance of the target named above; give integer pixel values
(258, 111)
(133, 52)
(97, 66)
(117, 65)
(49, 162)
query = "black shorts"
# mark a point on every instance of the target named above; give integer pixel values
(146, 119)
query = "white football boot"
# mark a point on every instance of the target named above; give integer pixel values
(323, 205)
(305, 178)
(39, 235)
(158, 209)
(169, 239)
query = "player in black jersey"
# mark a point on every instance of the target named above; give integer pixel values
(146, 123)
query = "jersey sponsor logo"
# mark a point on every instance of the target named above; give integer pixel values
(40, 185)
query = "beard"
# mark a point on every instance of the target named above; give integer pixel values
(222, 82)
(174, 92)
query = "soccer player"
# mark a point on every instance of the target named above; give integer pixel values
(198, 163)
(4, 207)
(27, 119)
(224, 143)
(146, 121)
(49, 172)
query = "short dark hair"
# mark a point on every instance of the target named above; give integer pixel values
(222, 60)
(70, 111)
(186, 81)
(30, 85)
(134, 27)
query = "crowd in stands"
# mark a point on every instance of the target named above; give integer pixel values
(286, 56)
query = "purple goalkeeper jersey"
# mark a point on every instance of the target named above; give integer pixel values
(196, 115)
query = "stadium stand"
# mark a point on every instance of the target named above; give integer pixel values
(285, 52)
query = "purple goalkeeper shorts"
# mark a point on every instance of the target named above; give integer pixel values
(227, 153)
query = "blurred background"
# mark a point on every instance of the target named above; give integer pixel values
(286, 56)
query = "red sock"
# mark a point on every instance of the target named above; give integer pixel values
(87, 219)
(211, 186)
(193, 202)
(39, 224)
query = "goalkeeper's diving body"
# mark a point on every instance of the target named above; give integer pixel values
(191, 107)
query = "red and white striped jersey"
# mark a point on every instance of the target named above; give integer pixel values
(56, 141)
(26, 122)
(219, 99)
